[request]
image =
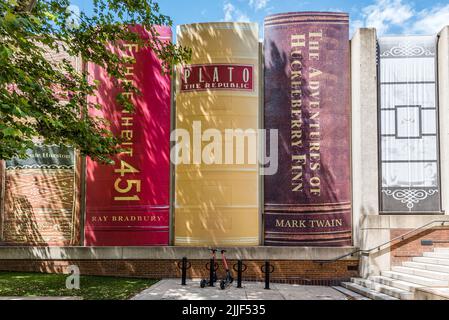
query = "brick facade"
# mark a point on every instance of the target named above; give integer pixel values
(402, 251)
(286, 271)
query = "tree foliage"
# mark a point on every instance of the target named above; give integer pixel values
(46, 100)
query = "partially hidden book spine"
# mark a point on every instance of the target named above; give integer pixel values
(41, 198)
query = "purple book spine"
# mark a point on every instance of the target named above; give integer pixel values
(307, 98)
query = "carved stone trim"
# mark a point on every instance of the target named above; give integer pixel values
(410, 197)
(408, 50)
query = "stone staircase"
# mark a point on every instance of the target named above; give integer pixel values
(430, 270)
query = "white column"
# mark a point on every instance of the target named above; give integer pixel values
(443, 78)
(365, 178)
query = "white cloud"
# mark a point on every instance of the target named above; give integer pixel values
(73, 21)
(228, 10)
(386, 13)
(431, 21)
(231, 13)
(258, 4)
(355, 24)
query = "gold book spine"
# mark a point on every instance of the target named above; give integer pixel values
(217, 203)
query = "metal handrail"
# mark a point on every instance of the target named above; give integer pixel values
(378, 247)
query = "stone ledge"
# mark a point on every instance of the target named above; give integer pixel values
(171, 253)
(432, 294)
(399, 221)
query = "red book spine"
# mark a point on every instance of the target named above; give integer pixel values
(127, 204)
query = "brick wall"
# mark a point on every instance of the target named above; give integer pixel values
(402, 251)
(286, 271)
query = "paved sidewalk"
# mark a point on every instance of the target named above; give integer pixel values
(171, 289)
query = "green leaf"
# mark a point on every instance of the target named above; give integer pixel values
(10, 132)
(50, 15)
(10, 17)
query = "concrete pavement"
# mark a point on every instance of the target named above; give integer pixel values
(171, 289)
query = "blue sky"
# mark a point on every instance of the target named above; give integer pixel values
(388, 16)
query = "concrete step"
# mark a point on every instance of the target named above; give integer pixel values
(439, 255)
(432, 294)
(374, 295)
(415, 279)
(443, 262)
(441, 250)
(423, 273)
(382, 288)
(403, 285)
(351, 294)
(426, 266)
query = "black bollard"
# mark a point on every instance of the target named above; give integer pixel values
(184, 271)
(239, 273)
(267, 275)
(241, 267)
(211, 272)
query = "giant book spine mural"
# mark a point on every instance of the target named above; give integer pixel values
(216, 198)
(307, 98)
(41, 194)
(127, 203)
(409, 131)
(41, 198)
